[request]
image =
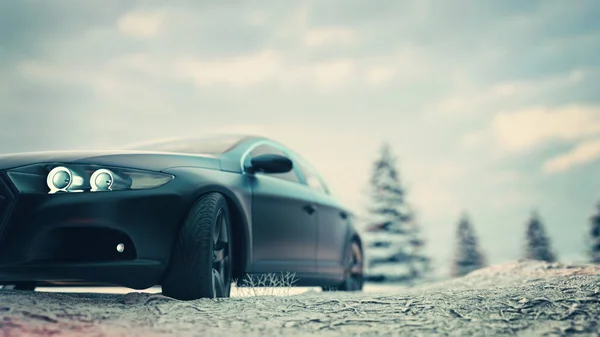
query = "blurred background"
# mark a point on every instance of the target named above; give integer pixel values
(491, 109)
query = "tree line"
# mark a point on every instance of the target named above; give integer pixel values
(395, 247)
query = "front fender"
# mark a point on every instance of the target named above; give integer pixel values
(237, 191)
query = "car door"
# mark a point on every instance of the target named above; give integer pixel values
(333, 227)
(284, 220)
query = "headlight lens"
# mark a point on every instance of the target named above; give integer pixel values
(102, 180)
(107, 180)
(55, 178)
(63, 179)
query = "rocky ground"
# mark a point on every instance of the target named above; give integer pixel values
(523, 299)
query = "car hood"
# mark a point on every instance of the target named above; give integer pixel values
(156, 161)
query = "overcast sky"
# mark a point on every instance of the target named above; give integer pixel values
(492, 107)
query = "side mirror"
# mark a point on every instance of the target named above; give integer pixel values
(270, 163)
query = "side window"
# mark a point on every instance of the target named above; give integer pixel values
(312, 179)
(267, 149)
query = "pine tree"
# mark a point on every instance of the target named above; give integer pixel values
(394, 243)
(594, 236)
(468, 256)
(537, 242)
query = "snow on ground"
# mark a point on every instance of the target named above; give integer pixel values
(522, 298)
(235, 292)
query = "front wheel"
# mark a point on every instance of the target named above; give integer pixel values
(201, 261)
(354, 272)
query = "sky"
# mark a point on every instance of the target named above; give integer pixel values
(491, 107)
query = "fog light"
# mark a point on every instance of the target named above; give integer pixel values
(120, 248)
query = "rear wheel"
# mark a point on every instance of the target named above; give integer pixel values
(354, 272)
(201, 261)
(19, 286)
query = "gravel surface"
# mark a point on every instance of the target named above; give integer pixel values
(522, 298)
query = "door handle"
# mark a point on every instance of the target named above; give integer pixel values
(310, 209)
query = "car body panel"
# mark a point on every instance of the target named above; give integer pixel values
(335, 229)
(149, 219)
(284, 232)
(274, 231)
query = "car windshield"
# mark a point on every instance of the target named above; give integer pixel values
(210, 145)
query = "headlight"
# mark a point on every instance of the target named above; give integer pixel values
(54, 178)
(63, 179)
(107, 180)
(102, 180)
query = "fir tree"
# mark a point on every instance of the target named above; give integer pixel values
(394, 243)
(537, 242)
(594, 236)
(468, 256)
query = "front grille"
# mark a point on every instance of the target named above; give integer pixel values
(6, 201)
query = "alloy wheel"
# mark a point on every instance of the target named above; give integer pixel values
(221, 262)
(356, 267)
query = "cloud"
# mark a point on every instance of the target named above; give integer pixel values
(245, 70)
(380, 74)
(142, 24)
(272, 66)
(318, 37)
(526, 129)
(471, 99)
(582, 153)
(128, 72)
(50, 72)
(112, 78)
(264, 67)
(334, 73)
(259, 48)
(407, 64)
(532, 127)
(505, 177)
(256, 18)
(473, 140)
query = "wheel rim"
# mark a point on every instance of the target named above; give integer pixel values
(355, 272)
(221, 272)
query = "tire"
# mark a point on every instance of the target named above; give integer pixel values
(27, 286)
(201, 260)
(354, 273)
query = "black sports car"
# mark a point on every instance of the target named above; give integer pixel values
(189, 215)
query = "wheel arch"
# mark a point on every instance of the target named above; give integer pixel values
(353, 234)
(356, 238)
(239, 226)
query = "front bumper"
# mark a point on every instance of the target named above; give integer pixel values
(72, 237)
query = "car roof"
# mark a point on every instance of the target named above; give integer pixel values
(149, 142)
